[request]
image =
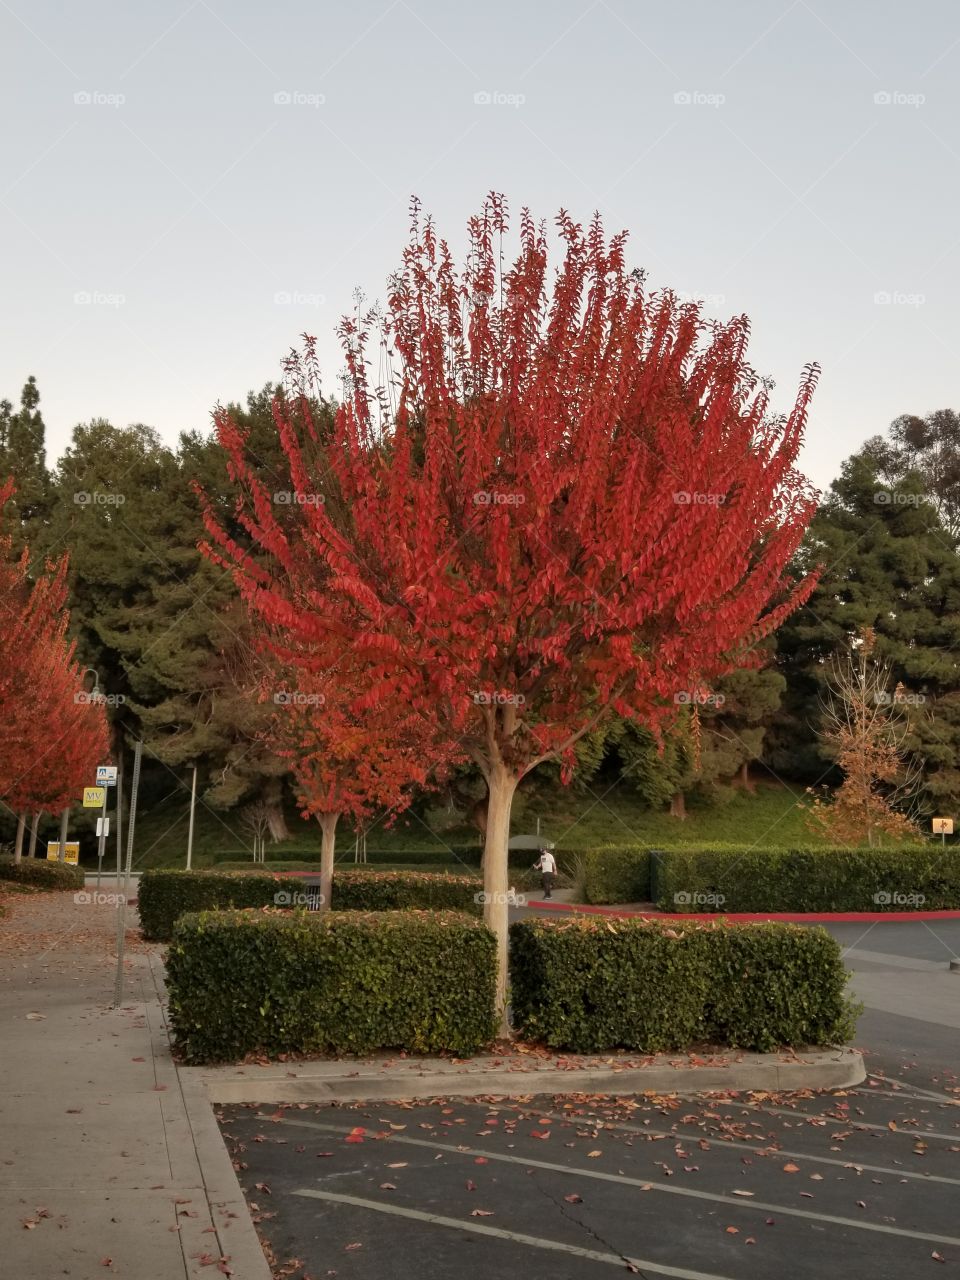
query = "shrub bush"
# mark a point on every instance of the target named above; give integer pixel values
(733, 880)
(594, 986)
(164, 896)
(42, 874)
(616, 874)
(344, 982)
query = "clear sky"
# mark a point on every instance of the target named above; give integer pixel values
(187, 185)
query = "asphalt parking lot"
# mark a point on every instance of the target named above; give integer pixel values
(864, 1183)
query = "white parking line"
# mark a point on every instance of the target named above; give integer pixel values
(661, 1188)
(910, 1091)
(515, 1237)
(856, 1123)
(754, 1144)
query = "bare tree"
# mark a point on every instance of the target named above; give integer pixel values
(256, 818)
(865, 728)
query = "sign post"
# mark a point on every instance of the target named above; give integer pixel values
(122, 897)
(63, 851)
(102, 835)
(942, 827)
(106, 778)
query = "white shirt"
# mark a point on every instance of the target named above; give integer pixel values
(547, 864)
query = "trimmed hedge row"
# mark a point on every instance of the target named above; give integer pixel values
(43, 874)
(589, 986)
(617, 874)
(164, 896)
(267, 982)
(730, 880)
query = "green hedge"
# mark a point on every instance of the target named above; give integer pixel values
(43, 874)
(594, 986)
(616, 874)
(732, 880)
(266, 982)
(164, 896)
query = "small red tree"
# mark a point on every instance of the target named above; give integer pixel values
(54, 732)
(348, 764)
(570, 498)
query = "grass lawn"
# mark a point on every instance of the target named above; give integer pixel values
(575, 820)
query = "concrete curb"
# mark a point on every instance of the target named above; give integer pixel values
(741, 917)
(406, 1080)
(204, 1145)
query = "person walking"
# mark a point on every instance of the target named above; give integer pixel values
(546, 864)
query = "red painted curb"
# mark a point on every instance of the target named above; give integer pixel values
(747, 917)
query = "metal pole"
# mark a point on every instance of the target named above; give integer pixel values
(119, 816)
(193, 805)
(102, 839)
(122, 897)
(64, 823)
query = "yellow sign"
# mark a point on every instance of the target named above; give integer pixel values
(93, 797)
(943, 826)
(71, 851)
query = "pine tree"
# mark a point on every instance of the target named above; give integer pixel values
(890, 565)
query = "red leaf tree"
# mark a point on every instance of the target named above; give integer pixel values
(54, 732)
(348, 764)
(570, 498)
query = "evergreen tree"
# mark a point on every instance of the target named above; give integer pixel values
(23, 456)
(889, 564)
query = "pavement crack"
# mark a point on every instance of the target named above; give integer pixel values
(607, 1244)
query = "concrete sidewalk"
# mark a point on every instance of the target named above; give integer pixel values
(106, 1169)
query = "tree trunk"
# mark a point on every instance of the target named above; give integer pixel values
(678, 806)
(496, 878)
(743, 778)
(276, 822)
(18, 847)
(32, 851)
(62, 846)
(478, 815)
(328, 826)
